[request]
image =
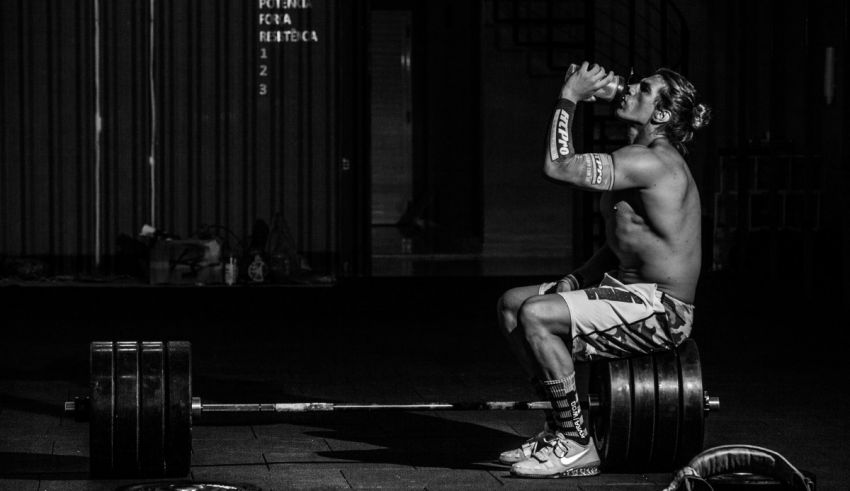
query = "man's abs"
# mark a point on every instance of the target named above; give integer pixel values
(645, 256)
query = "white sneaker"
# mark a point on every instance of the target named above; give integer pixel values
(560, 457)
(525, 451)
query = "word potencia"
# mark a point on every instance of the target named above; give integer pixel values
(284, 4)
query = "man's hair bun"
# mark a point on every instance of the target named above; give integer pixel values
(701, 116)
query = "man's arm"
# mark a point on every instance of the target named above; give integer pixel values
(633, 166)
(601, 262)
(590, 273)
(629, 167)
(594, 171)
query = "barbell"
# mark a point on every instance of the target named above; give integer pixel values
(646, 412)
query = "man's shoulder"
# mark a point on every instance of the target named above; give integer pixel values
(666, 160)
(636, 150)
(643, 166)
(641, 159)
(665, 155)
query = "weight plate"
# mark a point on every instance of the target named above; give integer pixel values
(666, 437)
(152, 414)
(693, 411)
(101, 408)
(643, 412)
(126, 438)
(178, 431)
(611, 426)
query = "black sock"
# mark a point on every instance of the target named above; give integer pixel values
(568, 417)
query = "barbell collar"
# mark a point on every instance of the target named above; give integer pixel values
(197, 407)
(712, 403)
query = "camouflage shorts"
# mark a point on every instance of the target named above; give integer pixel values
(615, 320)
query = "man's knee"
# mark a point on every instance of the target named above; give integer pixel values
(541, 316)
(507, 307)
(533, 312)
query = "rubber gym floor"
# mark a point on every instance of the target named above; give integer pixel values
(764, 353)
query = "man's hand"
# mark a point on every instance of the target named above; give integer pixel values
(564, 285)
(581, 84)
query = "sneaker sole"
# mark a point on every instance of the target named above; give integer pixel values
(509, 462)
(588, 471)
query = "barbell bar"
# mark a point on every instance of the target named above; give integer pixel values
(199, 408)
(646, 412)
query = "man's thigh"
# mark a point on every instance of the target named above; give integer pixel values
(515, 297)
(614, 322)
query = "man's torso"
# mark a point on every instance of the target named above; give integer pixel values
(655, 232)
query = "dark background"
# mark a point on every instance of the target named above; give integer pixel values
(358, 152)
(403, 152)
(404, 145)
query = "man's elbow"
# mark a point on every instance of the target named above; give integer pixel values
(559, 171)
(548, 167)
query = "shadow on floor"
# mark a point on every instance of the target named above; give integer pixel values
(20, 465)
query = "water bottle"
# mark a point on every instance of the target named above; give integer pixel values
(610, 92)
(231, 270)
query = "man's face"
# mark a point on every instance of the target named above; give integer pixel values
(638, 104)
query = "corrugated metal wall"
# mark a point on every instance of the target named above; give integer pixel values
(47, 129)
(224, 154)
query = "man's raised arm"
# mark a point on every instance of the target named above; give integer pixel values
(629, 167)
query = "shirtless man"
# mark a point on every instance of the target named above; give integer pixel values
(635, 295)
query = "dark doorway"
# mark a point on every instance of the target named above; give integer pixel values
(425, 177)
(391, 144)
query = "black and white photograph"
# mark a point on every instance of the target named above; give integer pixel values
(259, 245)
